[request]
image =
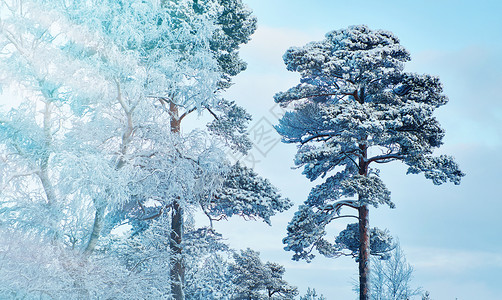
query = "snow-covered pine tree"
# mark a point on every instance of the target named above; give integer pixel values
(255, 280)
(312, 295)
(234, 24)
(356, 107)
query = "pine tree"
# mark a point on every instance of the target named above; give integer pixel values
(312, 295)
(356, 107)
(255, 280)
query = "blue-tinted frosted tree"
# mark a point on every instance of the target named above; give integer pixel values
(354, 108)
(312, 295)
(91, 68)
(391, 278)
(98, 137)
(255, 280)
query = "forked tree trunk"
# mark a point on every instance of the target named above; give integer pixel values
(177, 267)
(364, 238)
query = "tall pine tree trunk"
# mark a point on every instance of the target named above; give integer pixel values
(364, 239)
(177, 268)
(364, 253)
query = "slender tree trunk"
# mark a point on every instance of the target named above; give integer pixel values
(364, 253)
(44, 165)
(43, 174)
(177, 266)
(364, 238)
(99, 218)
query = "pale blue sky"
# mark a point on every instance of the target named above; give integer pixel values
(451, 234)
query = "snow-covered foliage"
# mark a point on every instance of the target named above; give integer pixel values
(246, 194)
(91, 133)
(88, 69)
(131, 267)
(380, 242)
(234, 26)
(346, 243)
(231, 125)
(31, 269)
(312, 295)
(96, 143)
(355, 107)
(255, 280)
(391, 278)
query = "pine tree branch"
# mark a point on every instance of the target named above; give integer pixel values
(212, 113)
(319, 136)
(385, 158)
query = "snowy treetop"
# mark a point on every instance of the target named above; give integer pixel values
(356, 107)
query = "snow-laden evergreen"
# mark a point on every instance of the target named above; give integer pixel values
(255, 280)
(312, 295)
(356, 107)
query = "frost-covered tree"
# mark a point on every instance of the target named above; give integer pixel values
(255, 280)
(33, 269)
(97, 141)
(355, 107)
(391, 278)
(233, 26)
(207, 263)
(312, 295)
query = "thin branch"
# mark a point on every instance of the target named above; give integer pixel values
(16, 44)
(154, 216)
(12, 177)
(385, 158)
(120, 99)
(211, 112)
(314, 137)
(187, 113)
(207, 215)
(347, 155)
(347, 216)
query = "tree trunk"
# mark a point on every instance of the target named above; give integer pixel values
(44, 164)
(364, 253)
(364, 239)
(177, 266)
(99, 218)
